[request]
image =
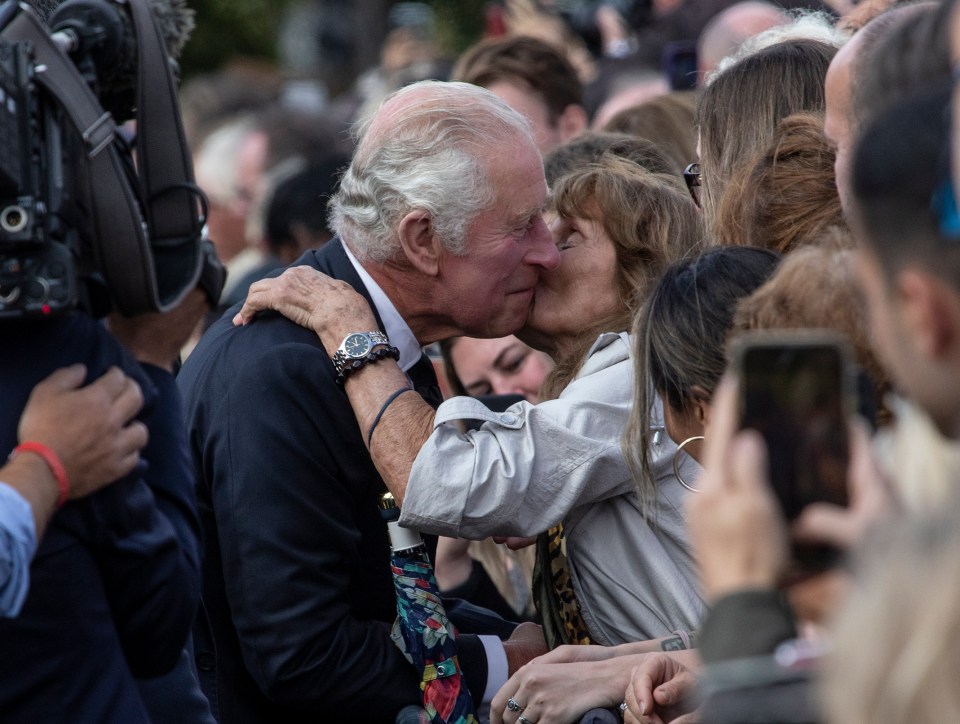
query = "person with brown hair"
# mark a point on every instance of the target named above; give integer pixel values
(780, 80)
(534, 467)
(786, 196)
(679, 357)
(816, 287)
(502, 366)
(532, 77)
(589, 147)
(667, 121)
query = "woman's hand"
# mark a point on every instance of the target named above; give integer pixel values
(331, 308)
(661, 690)
(571, 654)
(560, 693)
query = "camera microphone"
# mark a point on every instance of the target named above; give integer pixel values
(174, 18)
(102, 32)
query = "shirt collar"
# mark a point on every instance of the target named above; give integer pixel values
(400, 334)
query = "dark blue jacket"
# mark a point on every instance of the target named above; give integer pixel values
(115, 581)
(298, 596)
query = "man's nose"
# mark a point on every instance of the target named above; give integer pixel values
(542, 251)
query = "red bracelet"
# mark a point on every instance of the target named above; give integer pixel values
(53, 462)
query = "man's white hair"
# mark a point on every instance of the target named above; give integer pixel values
(427, 147)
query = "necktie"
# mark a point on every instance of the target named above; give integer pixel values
(424, 381)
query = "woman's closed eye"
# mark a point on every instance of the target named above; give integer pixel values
(513, 362)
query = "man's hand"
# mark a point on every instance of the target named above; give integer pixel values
(662, 689)
(157, 337)
(91, 428)
(736, 526)
(331, 308)
(515, 542)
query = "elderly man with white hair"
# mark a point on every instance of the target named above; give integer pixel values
(439, 225)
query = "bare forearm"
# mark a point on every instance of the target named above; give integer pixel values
(401, 430)
(30, 476)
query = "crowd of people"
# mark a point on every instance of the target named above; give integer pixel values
(512, 297)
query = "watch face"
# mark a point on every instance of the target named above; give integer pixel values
(357, 345)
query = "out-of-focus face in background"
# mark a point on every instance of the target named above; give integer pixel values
(502, 366)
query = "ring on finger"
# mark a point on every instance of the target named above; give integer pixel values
(514, 705)
(523, 720)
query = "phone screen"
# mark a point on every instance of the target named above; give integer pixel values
(797, 396)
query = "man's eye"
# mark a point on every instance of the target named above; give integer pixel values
(526, 226)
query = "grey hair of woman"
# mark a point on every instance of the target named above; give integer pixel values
(424, 149)
(679, 339)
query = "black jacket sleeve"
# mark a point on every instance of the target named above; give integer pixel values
(747, 623)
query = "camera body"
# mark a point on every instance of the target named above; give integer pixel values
(38, 273)
(82, 224)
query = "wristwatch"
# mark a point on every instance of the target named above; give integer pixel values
(358, 349)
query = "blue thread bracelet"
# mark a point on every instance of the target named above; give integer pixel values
(383, 408)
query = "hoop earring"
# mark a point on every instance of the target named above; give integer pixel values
(676, 463)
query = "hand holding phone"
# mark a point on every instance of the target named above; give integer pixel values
(798, 392)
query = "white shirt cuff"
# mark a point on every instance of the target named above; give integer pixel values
(497, 670)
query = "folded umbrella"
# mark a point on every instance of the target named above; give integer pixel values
(422, 630)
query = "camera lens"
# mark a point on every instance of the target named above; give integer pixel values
(13, 219)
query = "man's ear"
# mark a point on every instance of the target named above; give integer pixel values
(572, 122)
(420, 244)
(931, 312)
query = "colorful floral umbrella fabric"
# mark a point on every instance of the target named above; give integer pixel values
(422, 630)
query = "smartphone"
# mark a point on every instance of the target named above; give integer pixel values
(797, 390)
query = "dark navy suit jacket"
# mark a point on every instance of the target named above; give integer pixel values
(298, 598)
(116, 579)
